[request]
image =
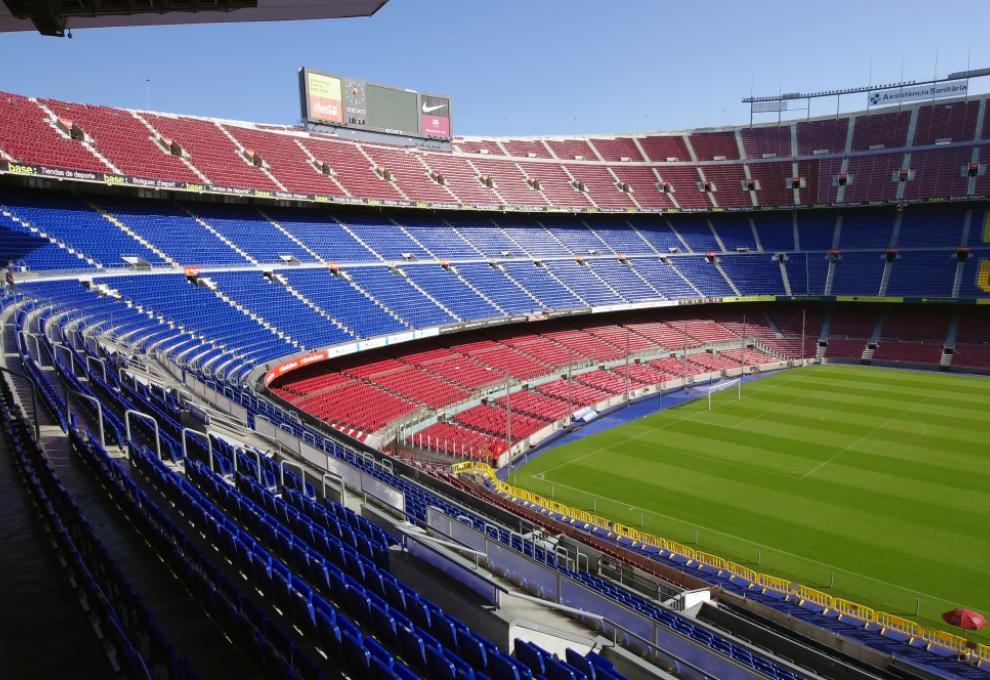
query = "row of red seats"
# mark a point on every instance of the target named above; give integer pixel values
(438, 375)
(954, 121)
(971, 356)
(456, 440)
(573, 391)
(536, 404)
(911, 352)
(356, 404)
(713, 362)
(494, 420)
(290, 159)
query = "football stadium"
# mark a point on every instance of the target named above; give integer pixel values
(361, 397)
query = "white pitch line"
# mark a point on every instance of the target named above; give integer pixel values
(863, 438)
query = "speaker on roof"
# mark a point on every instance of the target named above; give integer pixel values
(323, 167)
(69, 127)
(254, 158)
(170, 146)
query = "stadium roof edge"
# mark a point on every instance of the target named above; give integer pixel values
(265, 10)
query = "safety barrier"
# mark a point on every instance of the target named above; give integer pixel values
(765, 581)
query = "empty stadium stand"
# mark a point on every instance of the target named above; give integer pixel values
(732, 168)
(341, 317)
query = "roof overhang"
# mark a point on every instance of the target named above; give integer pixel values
(53, 17)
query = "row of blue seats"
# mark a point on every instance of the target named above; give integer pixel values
(198, 309)
(340, 640)
(282, 510)
(264, 640)
(125, 622)
(272, 301)
(292, 655)
(102, 313)
(294, 495)
(377, 600)
(78, 226)
(176, 231)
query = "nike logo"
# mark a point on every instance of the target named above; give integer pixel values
(431, 109)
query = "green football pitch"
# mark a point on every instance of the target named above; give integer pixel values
(871, 484)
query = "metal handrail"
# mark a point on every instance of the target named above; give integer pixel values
(144, 416)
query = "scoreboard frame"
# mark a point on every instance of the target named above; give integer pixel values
(341, 101)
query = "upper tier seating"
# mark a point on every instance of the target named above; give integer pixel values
(617, 149)
(124, 140)
(211, 151)
(288, 161)
(760, 142)
(409, 173)
(353, 170)
(29, 135)
(620, 173)
(710, 146)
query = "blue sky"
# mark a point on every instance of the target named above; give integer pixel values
(520, 66)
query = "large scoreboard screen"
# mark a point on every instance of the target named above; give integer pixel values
(329, 99)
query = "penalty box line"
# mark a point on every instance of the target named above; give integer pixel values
(653, 430)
